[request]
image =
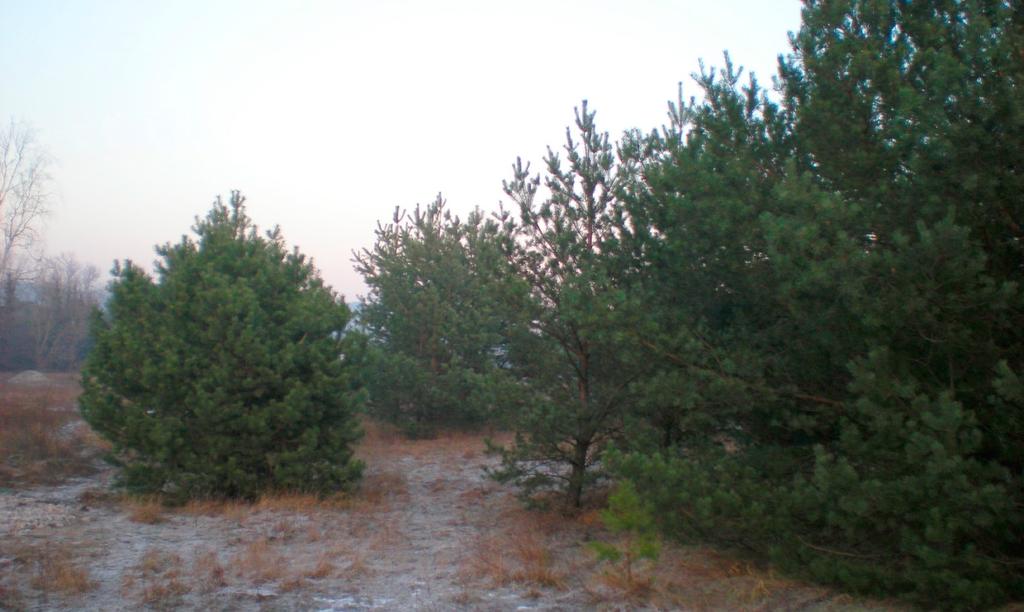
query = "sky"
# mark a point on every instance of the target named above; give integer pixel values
(328, 115)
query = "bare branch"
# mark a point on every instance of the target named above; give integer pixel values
(24, 196)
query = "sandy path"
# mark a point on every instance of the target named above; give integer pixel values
(439, 534)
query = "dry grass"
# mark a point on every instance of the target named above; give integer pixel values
(207, 572)
(639, 587)
(382, 439)
(285, 503)
(542, 550)
(232, 510)
(146, 510)
(301, 503)
(259, 562)
(323, 568)
(704, 579)
(57, 573)
(30, 568)
(155, 562)
(294, 583)
(99, 497)
(313, 533)
(535, 563)
(43, 440)
(379, 434)
(702, 576)
(378, 490)
(383, 533)
(474, 496)
(164, 594)
(515, 557)
(284, 529)
(156, 580)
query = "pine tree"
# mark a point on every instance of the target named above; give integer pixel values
(435, 315)
(568, 349)
(849, 347)
(227, 375)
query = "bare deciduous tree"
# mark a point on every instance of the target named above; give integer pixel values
(24, 201)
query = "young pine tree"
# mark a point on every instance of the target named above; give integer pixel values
(227, 375)
(436, 316)
(568, 348)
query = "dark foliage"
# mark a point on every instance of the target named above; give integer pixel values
(834, 283)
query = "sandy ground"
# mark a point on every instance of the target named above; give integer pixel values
(426, 531)
(412, 538)
(406, 541)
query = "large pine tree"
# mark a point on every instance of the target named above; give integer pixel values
(844, 262)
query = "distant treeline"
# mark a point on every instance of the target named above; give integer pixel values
(44, 315)
(793, 318)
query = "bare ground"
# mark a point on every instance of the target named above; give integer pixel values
(426, 531)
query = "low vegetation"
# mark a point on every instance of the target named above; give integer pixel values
(58, 572)
(42, 437)
(440, 522)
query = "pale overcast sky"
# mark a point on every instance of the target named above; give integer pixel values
(327, 115)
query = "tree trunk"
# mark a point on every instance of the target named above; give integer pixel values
(579, 466)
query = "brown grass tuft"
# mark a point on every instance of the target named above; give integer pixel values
(323, 568)
(278, 502)
(155, 562)
(283, 530)
(207, 571)
(377, 493)
(57, 573)
(161, 576)
(378, 434)
(522, 557)
(99, 497)
(260, 563)
(145, 510)
(313, 533)
(300, 503)
(535, 566)
(703, 578)
(640, 587)
(164, 594)
(232, 510)
(291, 584)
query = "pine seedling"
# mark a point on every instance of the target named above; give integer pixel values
(628, 516)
